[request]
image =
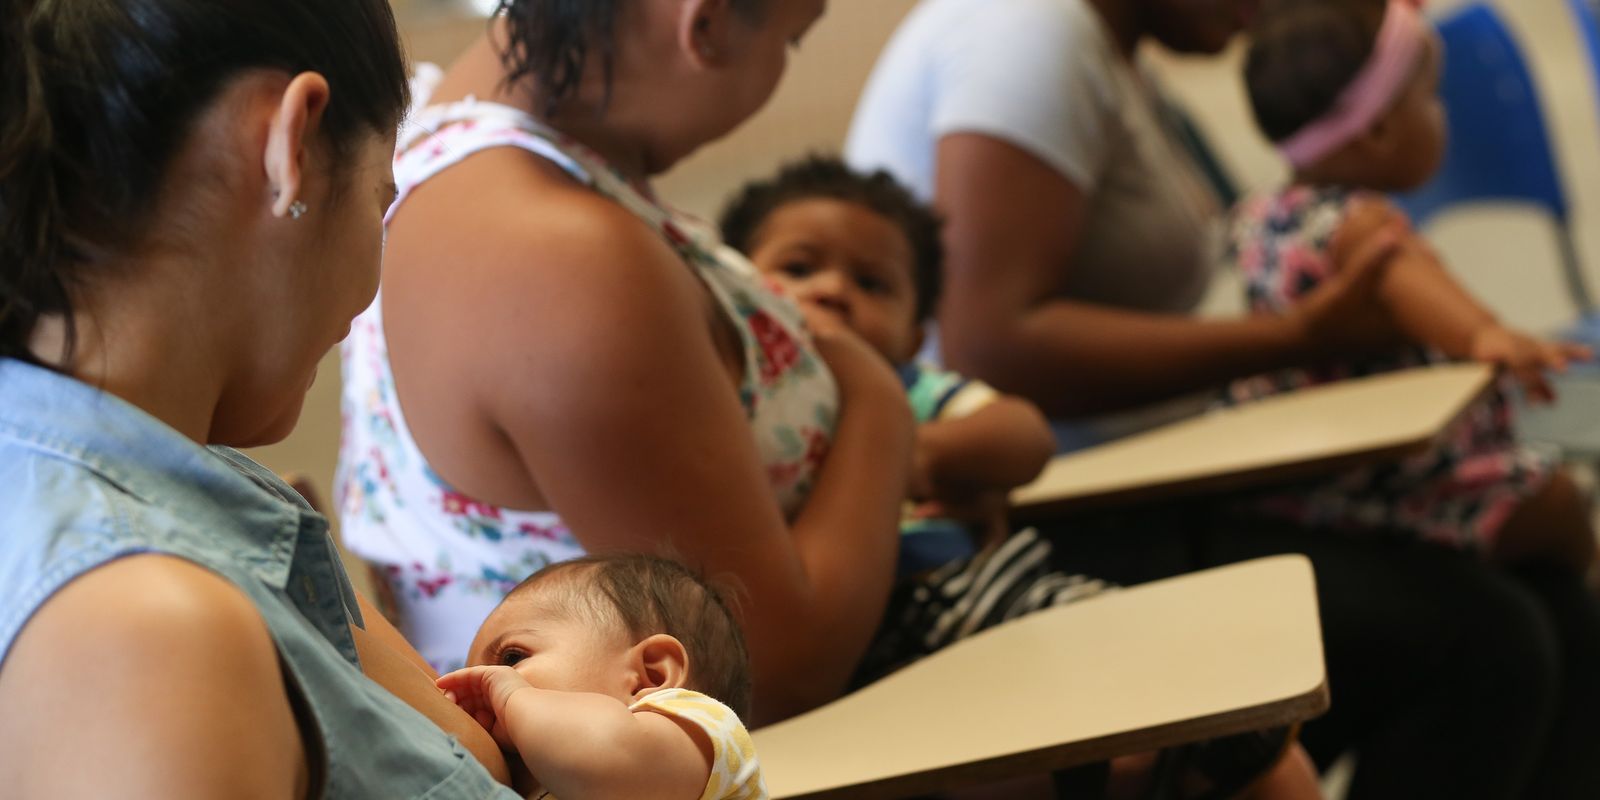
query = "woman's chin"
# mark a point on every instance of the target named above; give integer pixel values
(263, 431)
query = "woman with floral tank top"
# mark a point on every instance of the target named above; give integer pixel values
(557, 363)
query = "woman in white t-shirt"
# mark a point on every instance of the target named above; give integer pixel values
(1078, 221)
(1077, 242)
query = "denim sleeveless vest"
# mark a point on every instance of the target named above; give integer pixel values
(86, 478)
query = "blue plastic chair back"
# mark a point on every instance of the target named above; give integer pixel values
(1587, 14)
(1499, 148)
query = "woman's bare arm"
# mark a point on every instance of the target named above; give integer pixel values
(148, 678)
(1014, 225)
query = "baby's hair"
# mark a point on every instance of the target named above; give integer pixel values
(1303, 54)
(550, 43)
(648, 595)
(825, 177)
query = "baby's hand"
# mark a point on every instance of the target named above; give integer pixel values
(483, 693)
(860, 370)
(1528, 359)
(983, 513)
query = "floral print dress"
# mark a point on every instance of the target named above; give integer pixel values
(1458, 493)
(449, 557)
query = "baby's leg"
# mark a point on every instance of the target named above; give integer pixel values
(1551, 526)
(1293, 778)
(1032, 787)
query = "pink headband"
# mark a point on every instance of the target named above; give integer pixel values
(1375, 87)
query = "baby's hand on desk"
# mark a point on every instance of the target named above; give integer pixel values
(483, 693)
(1528, 359)
(983, 512)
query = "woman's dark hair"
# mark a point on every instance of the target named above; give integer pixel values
(550, 42)
(98, 96)
(1303, 54)
(826, 177)
(648, 595)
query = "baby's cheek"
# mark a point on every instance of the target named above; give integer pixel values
(777, 285)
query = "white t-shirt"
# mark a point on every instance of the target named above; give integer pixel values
(1046, 76)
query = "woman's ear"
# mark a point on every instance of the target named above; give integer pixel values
(1380, 140)
(292, 128)
(703, 32)
(659, 662)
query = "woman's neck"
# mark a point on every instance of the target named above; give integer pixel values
(587, 127)
(143, 349)
(1122, 19)
(480, 73)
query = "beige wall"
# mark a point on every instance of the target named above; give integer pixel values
(1505, 256)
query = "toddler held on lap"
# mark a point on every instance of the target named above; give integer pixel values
(857, 250)
(615, 676)
(1348, 92)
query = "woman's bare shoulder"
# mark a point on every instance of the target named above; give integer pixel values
(147, 598)
(501, 224)
(147, 657)
(509, 252)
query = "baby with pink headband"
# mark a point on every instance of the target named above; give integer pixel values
(1347, 90)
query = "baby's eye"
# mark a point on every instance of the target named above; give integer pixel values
(872, 285)
(510, 656)
(796, 269)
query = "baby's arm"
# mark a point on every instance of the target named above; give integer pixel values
(1428, 304)
(1431, 307)
(965, 466)
(581, 745)
(1000, 446)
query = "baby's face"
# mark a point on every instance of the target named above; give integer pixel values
(847, 260)
(554, 650)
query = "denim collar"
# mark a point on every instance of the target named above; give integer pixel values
(156, 465)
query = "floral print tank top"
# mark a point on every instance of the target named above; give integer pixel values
(450, 558)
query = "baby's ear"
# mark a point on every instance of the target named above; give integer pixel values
(659, 662)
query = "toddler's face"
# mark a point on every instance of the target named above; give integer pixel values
(847, 260)
(1419, 124)
(554, 650)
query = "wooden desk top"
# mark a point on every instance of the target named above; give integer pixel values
(1213, 653)
(1294, 435)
